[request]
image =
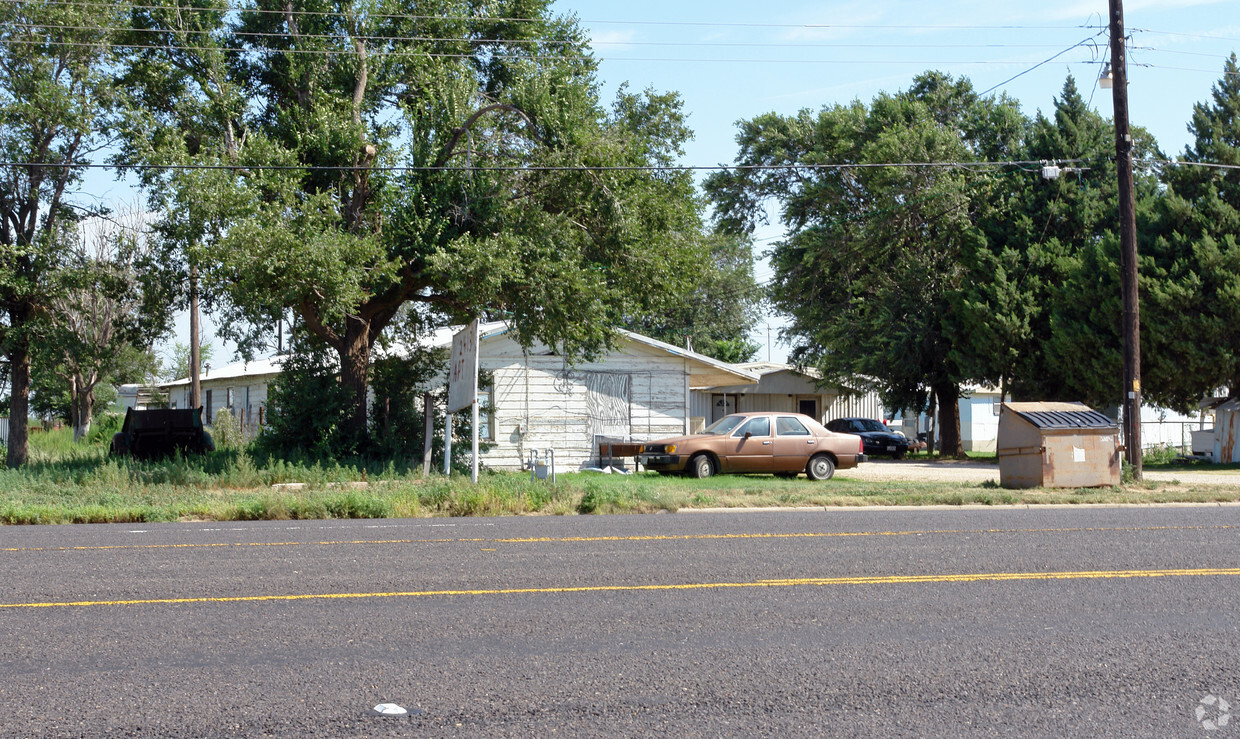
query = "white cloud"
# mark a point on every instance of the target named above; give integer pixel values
(617, 40)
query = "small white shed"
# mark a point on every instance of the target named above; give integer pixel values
(1227, 431)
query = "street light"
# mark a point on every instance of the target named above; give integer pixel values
(1106, 80)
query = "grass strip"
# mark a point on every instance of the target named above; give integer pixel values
(81, 484)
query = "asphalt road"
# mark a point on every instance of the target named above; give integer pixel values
(1117, 621)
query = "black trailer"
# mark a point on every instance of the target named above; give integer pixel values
(159, 432)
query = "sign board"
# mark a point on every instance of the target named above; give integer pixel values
(463, 368)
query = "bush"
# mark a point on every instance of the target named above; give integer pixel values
(307, 406)
(104, 427)
(226, 431)
(1159, 455)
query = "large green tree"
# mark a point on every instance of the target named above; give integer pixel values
(56, 93)
(1191, 259)
(102, 308)
(871, 270)
(716, 315)
(1040, 316)
(452, 156)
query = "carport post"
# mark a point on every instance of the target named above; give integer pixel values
(447, 444)
(428, 411)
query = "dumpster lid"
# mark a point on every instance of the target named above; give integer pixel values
(1062, 416)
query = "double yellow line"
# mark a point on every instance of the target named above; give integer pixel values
(796, 582)
(581, 539)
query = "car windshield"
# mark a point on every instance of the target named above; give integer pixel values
(868, 424)
(723, 425)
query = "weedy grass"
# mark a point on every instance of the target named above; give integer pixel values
(79, 483)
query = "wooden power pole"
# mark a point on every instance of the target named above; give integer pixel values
(195, 351)
(1128, 242)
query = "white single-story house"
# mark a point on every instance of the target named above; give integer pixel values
(241, 388)
(640, 390)
(782, 387)
(138, 397)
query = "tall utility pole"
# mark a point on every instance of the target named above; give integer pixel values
(1128, 243)
(195, 351)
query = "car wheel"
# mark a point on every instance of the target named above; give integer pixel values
(820, 467)
(701, 467)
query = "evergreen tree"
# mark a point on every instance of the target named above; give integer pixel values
(1191, 266)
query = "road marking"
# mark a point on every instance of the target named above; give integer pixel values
(797, 582)
(643, 537)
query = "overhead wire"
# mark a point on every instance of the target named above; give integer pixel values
(535, 168)
(377, 53)
(1083, 42)
(483, 40)
(510, 19)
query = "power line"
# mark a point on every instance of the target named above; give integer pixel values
(549, 41)
(576, 168)
(374, 53)
(587, 168)
(703, 24)
(1186, 35)
(1083, 42)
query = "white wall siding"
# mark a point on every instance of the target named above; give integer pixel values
(552, 403)
(979, 425)
(847, 406)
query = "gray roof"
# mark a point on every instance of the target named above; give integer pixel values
(1058, 416)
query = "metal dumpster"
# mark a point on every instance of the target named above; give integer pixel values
(1057, 445)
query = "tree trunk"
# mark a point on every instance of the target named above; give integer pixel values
(19, 400)
(83, 409)
(948, 396)
(354, 367)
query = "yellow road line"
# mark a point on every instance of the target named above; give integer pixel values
(649, 537)
(797, 582)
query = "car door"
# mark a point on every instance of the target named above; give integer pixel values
(793, 445)
(751, 447)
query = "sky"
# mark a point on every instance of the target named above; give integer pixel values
(732, 61)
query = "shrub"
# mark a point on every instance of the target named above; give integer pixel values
(226, 431)
(307, 406)
(104, 426)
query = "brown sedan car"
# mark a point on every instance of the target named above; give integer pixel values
(785, 444)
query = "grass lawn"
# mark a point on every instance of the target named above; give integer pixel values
(67, 483)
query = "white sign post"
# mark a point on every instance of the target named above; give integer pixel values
(463, 388)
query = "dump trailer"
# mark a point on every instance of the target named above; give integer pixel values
(159, 432)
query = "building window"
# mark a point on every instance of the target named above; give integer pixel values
(486, 413)
(228, 395)
(207, 407)
(996, 404)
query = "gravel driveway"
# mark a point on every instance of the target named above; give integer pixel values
(951, 471)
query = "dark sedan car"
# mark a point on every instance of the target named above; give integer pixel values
(878, 439)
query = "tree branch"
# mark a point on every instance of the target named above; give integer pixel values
(460, 131)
